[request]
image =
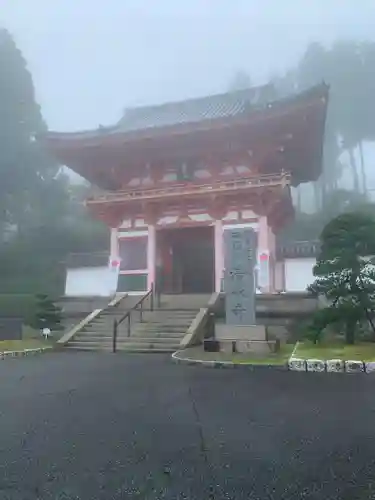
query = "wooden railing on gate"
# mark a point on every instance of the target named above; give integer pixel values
(175, 190)
(139, 307)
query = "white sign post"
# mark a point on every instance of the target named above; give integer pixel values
(46, 332)
(114, 268)
(263, 269)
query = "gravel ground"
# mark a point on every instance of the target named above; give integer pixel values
(102, 426)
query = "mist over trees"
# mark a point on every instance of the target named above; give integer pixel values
(240, 81)
(42, 217)
(41, 213)
(349, 68)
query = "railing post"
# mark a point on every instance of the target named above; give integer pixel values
(141, 312)
(152, 298)
(114, 337)
(211, 325)
(129, 324)
(158, 297)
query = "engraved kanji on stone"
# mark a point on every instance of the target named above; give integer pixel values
(239, 277)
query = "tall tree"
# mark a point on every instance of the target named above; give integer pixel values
(348, 66)
(345, 275)
(22, 162)
(363, 167)
(41, 214)
(240, 81)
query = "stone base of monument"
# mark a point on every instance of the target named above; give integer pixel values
(240, 332)
(211, 345)
(249, 338)
(257, 347)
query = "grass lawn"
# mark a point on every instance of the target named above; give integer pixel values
(279, 358)
(19, 345)
(364, 351)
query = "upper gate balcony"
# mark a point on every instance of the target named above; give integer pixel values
(220, 188)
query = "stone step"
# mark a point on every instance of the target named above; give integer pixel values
(165, 310)
(135, 334)
(134, 349)
(99, 326)
(106, 315)
(171, 348)
(143, 346)
(145, 321)
(156, 334)
(152, 327)
(146, 325)
(149, 316)
(127, 340)
(107, 323)
(167, 335)
(170, 320)
(166, 316)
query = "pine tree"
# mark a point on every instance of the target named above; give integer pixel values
(20, 122)
(47, 314)
(345, 275)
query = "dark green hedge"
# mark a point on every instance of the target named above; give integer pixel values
(17, 305)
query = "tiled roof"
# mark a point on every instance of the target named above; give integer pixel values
(193, 111)
(212, 107)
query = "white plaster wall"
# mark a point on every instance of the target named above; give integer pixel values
(299, 274)
(90, 281)
(279, 276)
(242, 225)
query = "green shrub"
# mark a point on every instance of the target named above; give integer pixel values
(17, 305)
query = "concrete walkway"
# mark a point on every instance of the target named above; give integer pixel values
(92, 426)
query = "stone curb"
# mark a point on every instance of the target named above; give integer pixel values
(330, 366)
(25, 352)
(302, 365)
(226, 364)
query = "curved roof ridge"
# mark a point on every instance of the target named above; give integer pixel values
(192, 110)
(191, 100)
(196, 110)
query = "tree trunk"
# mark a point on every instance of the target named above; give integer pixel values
(350, 332)
(369, 313)
(353, 166)
(369, 319)
(316, 196)
(299, 199)
(363, 168)
(323, 190)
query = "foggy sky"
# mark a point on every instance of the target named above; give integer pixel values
(90, 59)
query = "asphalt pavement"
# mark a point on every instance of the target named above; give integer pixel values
(91, 426)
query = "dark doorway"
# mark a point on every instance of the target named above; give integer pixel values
(191, 259)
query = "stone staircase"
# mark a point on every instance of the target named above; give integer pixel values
(160, 330)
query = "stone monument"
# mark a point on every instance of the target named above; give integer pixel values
(240, 333)
(239, 278)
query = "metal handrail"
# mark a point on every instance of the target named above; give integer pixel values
(128, 316)
(177, 189)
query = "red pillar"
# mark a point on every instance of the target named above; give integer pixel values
(219, 254)
(151, 256)
(114, 250)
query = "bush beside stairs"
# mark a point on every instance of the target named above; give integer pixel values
(161, 330)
